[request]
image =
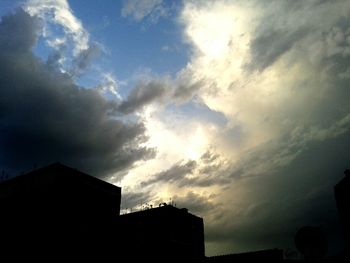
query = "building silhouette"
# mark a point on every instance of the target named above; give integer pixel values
(57, 211)
(164, 233)
(342, 197)
(62, 211)
(311, 242)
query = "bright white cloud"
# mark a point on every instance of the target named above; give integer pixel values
(173, 143)
(278, 72)
(59, 13)
(68, 42)
(226, 39)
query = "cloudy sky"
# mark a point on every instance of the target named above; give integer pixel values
(237, 110)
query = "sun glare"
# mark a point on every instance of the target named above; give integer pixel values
(196, 144)
(215, 33)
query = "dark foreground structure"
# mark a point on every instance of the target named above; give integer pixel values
(56, 209)
(342, 197)
(57, 212)
(165, 232)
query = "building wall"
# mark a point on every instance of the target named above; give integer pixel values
(163, 231)
(57, 207)
(342, 196)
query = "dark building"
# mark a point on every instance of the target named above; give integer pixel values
(58, 188)
(164, 233)
(58, 209)
(311, 242)
(342, 197)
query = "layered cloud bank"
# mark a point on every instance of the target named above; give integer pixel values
(276, 73)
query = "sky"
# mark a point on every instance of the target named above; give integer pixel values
(237, 110)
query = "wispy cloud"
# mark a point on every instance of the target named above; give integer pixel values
(59, 13)
(65, 34)
(139, 10)
(143, 94)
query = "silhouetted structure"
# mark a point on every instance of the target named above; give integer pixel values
(57, 209)
(61, 211)
(311, 242)
(342, 197)
(164, 233)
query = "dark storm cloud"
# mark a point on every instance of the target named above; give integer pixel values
(142, 95)
(135, 200)
(185, 91)
(18, 33)
(161, 91)
(195, 203)
(267, 48)
(174, 174)
(84, 58)
(280, 29)
(45, 117)
(273, 205)
(208, 171)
